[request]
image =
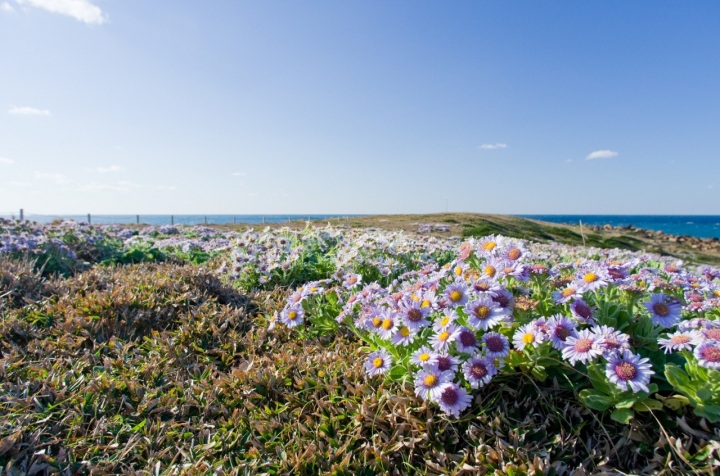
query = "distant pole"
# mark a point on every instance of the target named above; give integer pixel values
(263, 219)
(233, 220)
(172, 219)
(582, 233)
(206, 220)
(137, 219)
(22, 214)
(89, 220)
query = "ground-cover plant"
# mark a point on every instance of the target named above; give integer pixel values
(598, 324)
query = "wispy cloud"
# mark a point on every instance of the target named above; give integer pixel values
(81, 10)
(167, 187)
(6, 7)
(113, 169)
(4, 161)
(601, 154)
(28, 111)
(16, 184)
(59, 179)
(107, 187)
(239, 174)
(498, 145)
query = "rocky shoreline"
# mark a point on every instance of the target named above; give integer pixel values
(694, 242)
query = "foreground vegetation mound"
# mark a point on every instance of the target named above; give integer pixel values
(262, 359)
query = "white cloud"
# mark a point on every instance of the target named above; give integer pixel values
(239, 174)
(6, 7)
(106, 187)
(493, 146)
(601, 154)
(81, 10)
(109, 170)
(16, 184)
(4, 161)
(59, 179)
(28, 111)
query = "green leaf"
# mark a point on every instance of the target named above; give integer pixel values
(139, 426)
(705, 394)
(622, 415)
(711, 412)
(647, 405)
(595, 400)
(627, 403)
(680, 380)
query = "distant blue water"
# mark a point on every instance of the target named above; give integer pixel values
(702, 226)
(180, 219)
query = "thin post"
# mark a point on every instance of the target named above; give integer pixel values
(206, 220)
(22, 214)
(137, 219)
(582, 233)
(89, 220)
(172, 219)
(263, 219)
(233, 220)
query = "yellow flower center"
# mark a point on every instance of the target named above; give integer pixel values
(424, 357)
(482, 312)
(430, 380)
(292, 315)
(376, 322)
(489, 246)
(404, 332)
(590, 277)
(514, 254)
(443, 336)
(445, 321)
(490, 271)
(378, 362)
(455, 296)
(568, 292)
(528, 338)
(425, 303)
(387, 324)
(458, 270)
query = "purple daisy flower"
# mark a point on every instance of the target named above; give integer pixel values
(453, 399)
(591, 279)
(629, 371)
(566, 295)
(378, 363)
(479, 371)
(708, 354)
(611, 340)
(444, 337)
(496, 345)
(559, 329)
(446, 320)
(351, 280)
(447, 363)
(527, 334)
(483, 313)
(403, 336)
(466, 341)
(424, 356)
(664, 310)
(710, 330)
(456, 294)
(388, 324)
(582, 348)
(429, 381)
(680, 340)
(413, 314)
(292, 316)
(582, 311)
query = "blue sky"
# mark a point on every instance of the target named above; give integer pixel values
(520, 107)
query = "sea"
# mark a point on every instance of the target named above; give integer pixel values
(701, 226)
(176, 219)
